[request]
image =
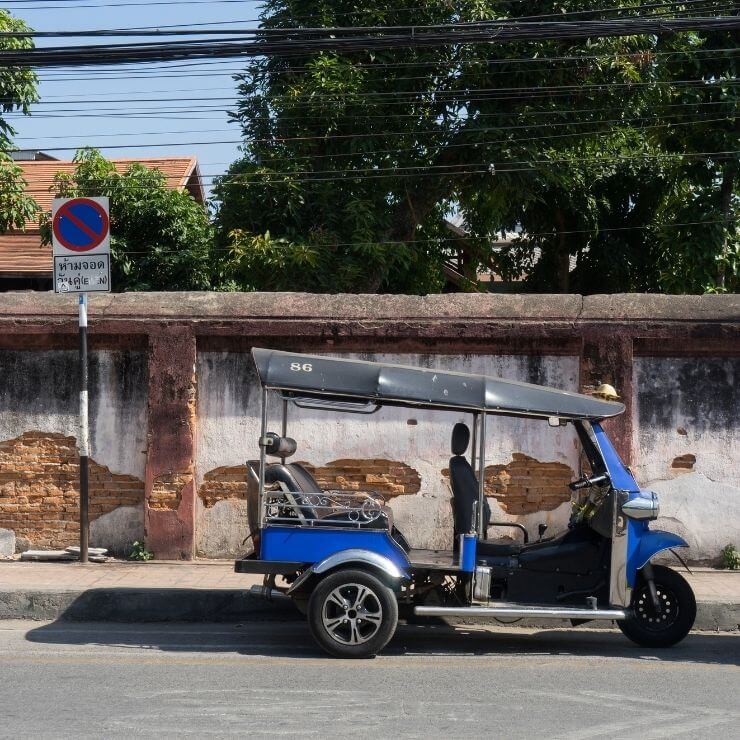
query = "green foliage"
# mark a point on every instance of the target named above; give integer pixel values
(16, 208)
(351, 162)
(730, 558)
(161, 239)
(139, 552)
(17, 92)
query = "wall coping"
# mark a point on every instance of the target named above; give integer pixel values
(199, 306)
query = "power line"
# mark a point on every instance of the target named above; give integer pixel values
(198, 30)
(462, 96)
(303, 41)
(436, 94)
(409, 115)
(490, 169)
(445, 145)
(355, 136)
(456, 239)
(64, 75)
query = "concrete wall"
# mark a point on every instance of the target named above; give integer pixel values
(38, 430)
(687, 412)
(174, 409)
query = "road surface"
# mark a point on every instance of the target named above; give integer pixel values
(94, 680)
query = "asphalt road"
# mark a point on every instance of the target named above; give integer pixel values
(116, 680)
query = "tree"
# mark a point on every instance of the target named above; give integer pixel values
(704, 253)
(17, 92)
(161, 239)
(353, 161)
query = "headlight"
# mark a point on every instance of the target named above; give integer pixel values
(643, 506)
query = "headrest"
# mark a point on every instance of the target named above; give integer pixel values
(460, 438)
(278, 446)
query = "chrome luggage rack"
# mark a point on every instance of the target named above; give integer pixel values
(328, 508)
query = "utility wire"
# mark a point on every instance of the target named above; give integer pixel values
(489, 169)
(496, 247)
(409, 115)
(381, 66)
(311, 41)
(471, 144)
(198, 30)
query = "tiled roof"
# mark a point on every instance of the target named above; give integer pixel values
(21, 253)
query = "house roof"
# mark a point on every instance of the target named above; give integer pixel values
(21, 253)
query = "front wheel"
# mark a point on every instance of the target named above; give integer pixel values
(672, 623)
(352, 614)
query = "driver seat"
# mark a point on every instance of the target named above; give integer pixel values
(465, 495)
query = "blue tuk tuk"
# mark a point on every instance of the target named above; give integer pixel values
(349, 568)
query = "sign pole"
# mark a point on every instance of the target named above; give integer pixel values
(80, 237)
(84, 434)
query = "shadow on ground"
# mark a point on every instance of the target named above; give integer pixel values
(291, 639)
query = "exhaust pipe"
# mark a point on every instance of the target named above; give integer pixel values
(268, 593)
(519, 610)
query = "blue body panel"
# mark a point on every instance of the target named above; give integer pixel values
(648, 543)
(642, 542)
(312, 545)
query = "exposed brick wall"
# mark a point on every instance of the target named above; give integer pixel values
(684, 463)
(526, 485)
(387, 477)
(223, 483)
(167, 490)
(39, 489)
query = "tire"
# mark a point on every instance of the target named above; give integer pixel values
(342, 629)
(649, 629)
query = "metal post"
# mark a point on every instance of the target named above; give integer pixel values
(482, 526)
(263, 458)
(284, 432)
(473, 450)
(84, 433)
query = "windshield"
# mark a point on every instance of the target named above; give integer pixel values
(621, 477)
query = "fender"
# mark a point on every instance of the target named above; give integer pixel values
(651, 542)
(349, 557)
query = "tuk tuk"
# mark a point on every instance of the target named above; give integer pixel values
(353, 573)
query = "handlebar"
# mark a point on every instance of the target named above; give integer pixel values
(588, 482)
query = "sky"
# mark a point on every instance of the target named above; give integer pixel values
(119, 109)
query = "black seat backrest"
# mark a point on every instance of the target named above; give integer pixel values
(464, 484)
(296, 479)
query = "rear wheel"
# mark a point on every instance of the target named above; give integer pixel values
(665, 627)
(352, 614)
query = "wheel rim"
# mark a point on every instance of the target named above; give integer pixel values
(646, 613)
(352, 614)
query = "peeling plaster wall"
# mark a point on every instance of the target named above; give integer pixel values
(39, 392)
(39, 395)
(687, 421)
(228, 428)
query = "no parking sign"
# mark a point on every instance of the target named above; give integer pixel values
(81, 239)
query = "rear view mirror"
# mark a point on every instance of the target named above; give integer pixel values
(556, 421)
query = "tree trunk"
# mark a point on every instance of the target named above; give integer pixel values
(726, 189)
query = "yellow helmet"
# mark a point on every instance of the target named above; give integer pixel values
(607, 392)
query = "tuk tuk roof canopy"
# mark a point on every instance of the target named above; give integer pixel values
(321, 376)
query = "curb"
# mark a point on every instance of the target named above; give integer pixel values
(143, 605)
(234, 605)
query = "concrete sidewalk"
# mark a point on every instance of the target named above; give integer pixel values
(211, 591)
